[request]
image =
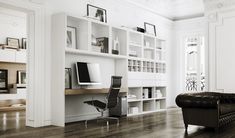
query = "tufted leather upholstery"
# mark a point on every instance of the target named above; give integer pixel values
(220, 108)
(198, 100)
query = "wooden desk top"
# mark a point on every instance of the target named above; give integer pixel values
(90, 91)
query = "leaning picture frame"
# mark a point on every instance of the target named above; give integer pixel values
(96, 13)
(68, 78)
(71, 37)
(13, 42)
(21, 77)
(24, 43)
(150, 28)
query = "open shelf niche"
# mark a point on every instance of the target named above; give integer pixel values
(135, 44)
(81, 30)
(100, 36)
(119, 41)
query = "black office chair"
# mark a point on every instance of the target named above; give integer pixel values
(110, 101)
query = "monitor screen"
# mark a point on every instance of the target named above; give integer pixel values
(88, 73)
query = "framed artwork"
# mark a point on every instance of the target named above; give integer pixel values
(13, 42)
(24, 43)
(150, 28)
(71, 37)
(68, 79)
(21, 77)
(96, 13)
(3, 79)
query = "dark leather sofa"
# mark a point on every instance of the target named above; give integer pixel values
(208, 109)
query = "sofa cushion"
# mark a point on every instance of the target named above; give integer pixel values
(227, 108)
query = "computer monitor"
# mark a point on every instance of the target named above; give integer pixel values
(88, 73)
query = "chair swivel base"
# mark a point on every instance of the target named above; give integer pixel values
(104, 119)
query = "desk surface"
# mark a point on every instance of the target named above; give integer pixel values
(90, 91)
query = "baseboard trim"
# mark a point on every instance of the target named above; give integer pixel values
(47, 122)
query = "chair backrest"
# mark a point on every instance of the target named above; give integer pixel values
(112, 97)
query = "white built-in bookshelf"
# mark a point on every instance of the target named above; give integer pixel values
(141, 62)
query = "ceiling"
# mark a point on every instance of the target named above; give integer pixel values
(173, 9)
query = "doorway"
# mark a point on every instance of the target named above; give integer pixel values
(13, 68)
(195, 72)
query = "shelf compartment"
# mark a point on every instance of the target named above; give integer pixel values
(149, 42)
(160, 55)
(160, 104)
(160, 92)
(119, 41)
(135, 38)
(148, 106)
(148, 53)
(100, 36)
(135, 51)
(160, 44)
(81, 32)
(147, 93)
(134, 108)
(134, 94)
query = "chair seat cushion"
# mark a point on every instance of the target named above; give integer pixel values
(96, 103)
(227, 108)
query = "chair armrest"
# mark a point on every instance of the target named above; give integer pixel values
(197, 100)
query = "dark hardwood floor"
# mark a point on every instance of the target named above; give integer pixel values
(157, 125)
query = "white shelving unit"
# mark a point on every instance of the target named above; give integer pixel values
(140, 61)
(146, 71)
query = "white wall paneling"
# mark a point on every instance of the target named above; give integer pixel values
(221, 41)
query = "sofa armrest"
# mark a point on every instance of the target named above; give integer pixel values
(197, 100)
(227, 98)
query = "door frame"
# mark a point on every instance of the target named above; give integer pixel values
(35, 98)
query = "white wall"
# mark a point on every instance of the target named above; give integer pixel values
(12, 24)
(183, 28)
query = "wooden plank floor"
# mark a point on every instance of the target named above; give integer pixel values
(156, 125)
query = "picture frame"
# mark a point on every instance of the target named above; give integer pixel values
(13, 42)
(68, 78)
(24, 43)
(96, 13)
(3, 80)
(71, 37)
(150, 28)
(21, 77)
